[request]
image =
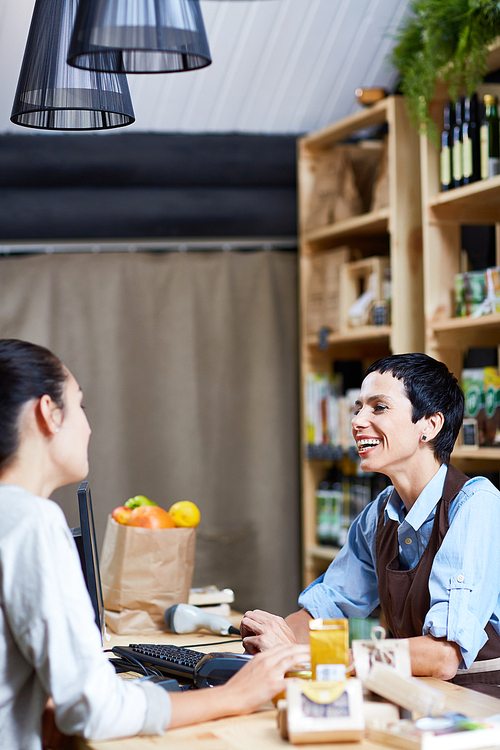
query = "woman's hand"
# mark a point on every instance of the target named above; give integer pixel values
(252, 685)
(264, 676)
(261, 630)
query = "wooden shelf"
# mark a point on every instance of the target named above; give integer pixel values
(361, 334)
(376, 114)
(480, 454)
(373, 223)
(468, 332)
(478, 203)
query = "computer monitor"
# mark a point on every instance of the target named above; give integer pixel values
(84, 536)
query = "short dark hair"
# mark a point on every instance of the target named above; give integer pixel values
(27, 371)
(431, 388)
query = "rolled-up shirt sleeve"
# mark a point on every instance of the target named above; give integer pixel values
(464, 581)
(349, 588)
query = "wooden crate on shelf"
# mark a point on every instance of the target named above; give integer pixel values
(323, 297)
(363, 277)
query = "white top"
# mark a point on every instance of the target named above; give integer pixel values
(49, 642)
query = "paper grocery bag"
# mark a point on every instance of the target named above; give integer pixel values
(143, 572)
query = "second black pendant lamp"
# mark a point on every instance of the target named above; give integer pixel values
(139, 36)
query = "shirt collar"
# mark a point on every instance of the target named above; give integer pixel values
(424, 505)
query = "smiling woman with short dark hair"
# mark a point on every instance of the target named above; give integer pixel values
(426, 548)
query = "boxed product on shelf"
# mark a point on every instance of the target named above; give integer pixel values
(361, 287)
(470, 292)
(322, 305)
(473, 388)
(492, 406)
(477, 292)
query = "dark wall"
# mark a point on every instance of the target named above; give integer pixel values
(120, 185)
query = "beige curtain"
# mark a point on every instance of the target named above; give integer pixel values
(188, 363)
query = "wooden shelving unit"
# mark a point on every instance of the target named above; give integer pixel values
(396, 228)
(443, 213)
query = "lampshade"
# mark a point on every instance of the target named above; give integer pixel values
(139, 36)
(50, 94)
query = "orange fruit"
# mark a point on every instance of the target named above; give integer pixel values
(185, 514)
(150, 517)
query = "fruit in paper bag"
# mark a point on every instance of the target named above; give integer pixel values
(137, 501)
(151, 517)
(185, 514)
(121, 514)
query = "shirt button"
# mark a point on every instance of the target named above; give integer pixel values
(408, 541)
(460, 578)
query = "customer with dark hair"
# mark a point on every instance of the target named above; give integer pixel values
(50, 646)
(426, 549)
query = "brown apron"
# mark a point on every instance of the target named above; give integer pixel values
(404, 594)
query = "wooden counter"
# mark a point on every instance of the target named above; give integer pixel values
(259, 731)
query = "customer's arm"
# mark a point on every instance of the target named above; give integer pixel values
(256, 683)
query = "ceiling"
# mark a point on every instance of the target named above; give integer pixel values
(279, 66)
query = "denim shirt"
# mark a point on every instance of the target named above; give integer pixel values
(464, 584)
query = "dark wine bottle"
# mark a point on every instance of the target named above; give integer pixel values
(457, 161)
(489, 138)
(446, 147)
(470, 141)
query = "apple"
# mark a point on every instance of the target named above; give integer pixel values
(121, 514)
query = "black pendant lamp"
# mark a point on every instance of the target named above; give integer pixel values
(50, 94)
(139, 36)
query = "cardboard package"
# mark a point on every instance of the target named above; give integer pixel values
(335, 195)
(323, 291)
(143, 573)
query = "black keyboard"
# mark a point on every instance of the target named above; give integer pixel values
(172, 660)
(201, 669)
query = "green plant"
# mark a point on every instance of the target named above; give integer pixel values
(445, 39)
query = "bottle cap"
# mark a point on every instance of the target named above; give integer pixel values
(470, 108)
(459, 111)
(447, 115)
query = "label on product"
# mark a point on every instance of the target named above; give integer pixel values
(484, 151)
(467, 156)
(493, 166)
(458, 168)
(330, 672)
(445, 166)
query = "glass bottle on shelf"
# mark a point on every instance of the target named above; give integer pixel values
(329, 503)
(457, 160)
(446, 147)
(489, 138)
(470, 141)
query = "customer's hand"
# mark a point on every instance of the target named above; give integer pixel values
(264, 676)
(261, 630)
